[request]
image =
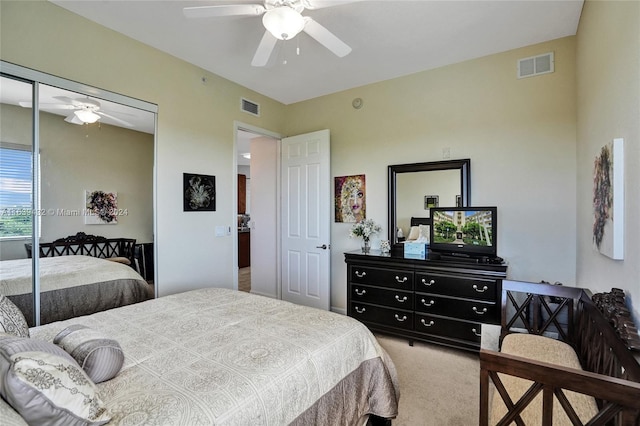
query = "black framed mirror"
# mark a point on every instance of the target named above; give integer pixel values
(413, 188)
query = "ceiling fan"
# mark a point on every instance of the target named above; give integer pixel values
(282, 19)
(85, 110)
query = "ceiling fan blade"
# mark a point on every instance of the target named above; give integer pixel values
(326, 38)
(223, 10)
(44, 105)
(67, 100)
(319, 4)
(264, 50)
(117, 120)
(73, 119)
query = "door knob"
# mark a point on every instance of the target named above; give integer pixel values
(323, 247)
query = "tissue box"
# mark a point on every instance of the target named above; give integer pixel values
(415, 250)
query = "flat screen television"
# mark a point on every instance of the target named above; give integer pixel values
(464, 231)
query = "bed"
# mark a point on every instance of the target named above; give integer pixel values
(223, 357)
(71, 286)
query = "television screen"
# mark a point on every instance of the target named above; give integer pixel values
(464, 230)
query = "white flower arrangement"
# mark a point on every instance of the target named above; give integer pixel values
(365, 229)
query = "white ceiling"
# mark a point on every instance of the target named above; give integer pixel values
(389, 38)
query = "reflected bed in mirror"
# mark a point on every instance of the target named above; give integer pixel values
(414, 188)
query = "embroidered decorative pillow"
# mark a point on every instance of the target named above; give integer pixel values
(12, 320)
(100, 357)
(46, 386)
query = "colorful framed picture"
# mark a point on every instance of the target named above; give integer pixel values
(199, 193)
(101, 208)
(350, 198)
(608, 200)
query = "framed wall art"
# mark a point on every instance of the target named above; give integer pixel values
(199, 192)
(608, 200)
(350, 198)
(101, 208)
(431, 201)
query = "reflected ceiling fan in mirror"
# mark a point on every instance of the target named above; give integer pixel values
(282, 19)
(85, 110)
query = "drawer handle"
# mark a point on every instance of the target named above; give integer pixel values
(360, 311)
(476, 332)
(430, 283)
(429, 303)
(427, 324)
(404, 318)
(404, 299)
(363, 292)
(360, 274)
(484, 311)
(484, 288)
(404, 279)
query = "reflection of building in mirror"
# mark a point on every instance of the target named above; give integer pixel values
(416, 192)
(350, 198)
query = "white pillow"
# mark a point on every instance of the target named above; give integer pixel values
(424, 232)
(414, 233)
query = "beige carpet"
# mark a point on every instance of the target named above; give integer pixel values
(438, 386)
(244, 279)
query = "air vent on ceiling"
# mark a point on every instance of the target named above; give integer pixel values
(535, 65)
(249, 106)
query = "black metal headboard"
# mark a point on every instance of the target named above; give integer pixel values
(416, 221)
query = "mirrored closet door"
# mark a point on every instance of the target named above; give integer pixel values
(82, 167)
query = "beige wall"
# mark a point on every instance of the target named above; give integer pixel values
(528, 155)
(411, 188)
(76, 158)
(519, 135)
(195, 126)
(608, 93)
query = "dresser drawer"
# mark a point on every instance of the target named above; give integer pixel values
(394, 278)
(464, 330)
(470, 288)
(473, 310)
(385, 316)
(382, 296)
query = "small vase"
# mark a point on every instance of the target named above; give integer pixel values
(366, 246)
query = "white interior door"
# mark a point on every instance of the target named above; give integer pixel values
(306, 216)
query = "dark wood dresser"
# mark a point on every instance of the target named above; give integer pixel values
(437, 301)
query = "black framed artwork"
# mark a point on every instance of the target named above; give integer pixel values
(431, 201)
(198, 192)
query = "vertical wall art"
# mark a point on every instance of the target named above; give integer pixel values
(350, 198)
(101, 208)
(608, 200)
(199, 192)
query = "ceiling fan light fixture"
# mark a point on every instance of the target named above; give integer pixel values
(87, 116)
(283, 22)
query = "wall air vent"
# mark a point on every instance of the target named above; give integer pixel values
(250, 107)
(535, 65)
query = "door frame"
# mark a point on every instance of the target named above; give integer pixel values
(239, 125)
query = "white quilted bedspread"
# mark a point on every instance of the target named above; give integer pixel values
(60, 272)
(216, 356)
